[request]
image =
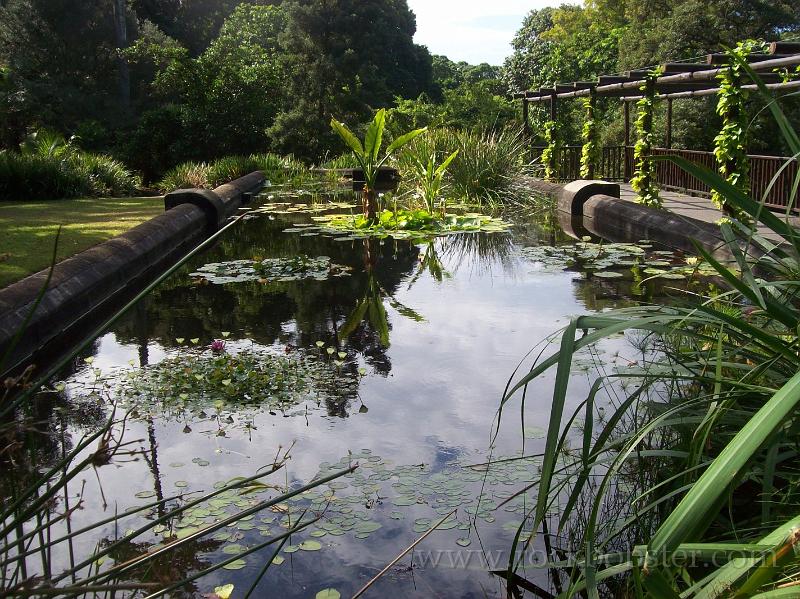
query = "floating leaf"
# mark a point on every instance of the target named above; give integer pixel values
(235, 565)
(310, 545)
(224, 592)
(328, 594)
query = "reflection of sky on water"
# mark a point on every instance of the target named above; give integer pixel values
(437, 405)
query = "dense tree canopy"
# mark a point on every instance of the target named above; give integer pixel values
(162, 81)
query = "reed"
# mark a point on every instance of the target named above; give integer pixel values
(698, 440)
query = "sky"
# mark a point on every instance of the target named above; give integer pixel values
(475, 31)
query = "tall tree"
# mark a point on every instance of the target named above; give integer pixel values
(63, 56)
(345, 57)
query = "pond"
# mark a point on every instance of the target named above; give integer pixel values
(390, 354)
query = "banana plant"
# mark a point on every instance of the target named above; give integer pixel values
(369, 156)
(431, 179)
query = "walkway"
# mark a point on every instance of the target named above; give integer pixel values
(694, 207)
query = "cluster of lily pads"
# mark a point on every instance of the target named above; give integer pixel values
(400, 224)
(202, 384)
(319, 268)
(301, 208)
(612, 260)
(362, 503)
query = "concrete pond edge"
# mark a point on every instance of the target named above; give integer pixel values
(595, 208)
(95, 278)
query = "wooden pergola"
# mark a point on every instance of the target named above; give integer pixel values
(679, 80)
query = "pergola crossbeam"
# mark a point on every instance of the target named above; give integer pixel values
(695, 79)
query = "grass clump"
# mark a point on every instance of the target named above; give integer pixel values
(50, 167)
(278, 170)
(487, 168)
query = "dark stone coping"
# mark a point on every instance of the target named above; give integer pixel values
(88, 282)
(221, 203)
(622, 221)
(608, 217)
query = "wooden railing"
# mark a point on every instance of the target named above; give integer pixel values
(771, 177)
(568, 161)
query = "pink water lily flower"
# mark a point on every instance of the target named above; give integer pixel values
(218, 346)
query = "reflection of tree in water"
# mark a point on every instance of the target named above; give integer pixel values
(38, 437)
(176, 564)
(293, 314)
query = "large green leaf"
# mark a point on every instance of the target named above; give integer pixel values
(403, 140)
(348, 137)
(374, 137)
(694, 512)
(443, 167)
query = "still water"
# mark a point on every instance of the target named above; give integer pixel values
(408, 354)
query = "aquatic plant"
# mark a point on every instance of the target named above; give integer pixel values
(709, 413)
(401, 224)
(268, 270)
(194, 383)
(369, 156)
(430, 178)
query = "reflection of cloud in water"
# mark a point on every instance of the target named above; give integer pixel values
(436, 404)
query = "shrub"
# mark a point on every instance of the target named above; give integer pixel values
(186, 176)
(49, 170)
(278, 170)
(486, 169)
(106, 175)
(31, 177)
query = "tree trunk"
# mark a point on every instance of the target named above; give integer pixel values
(370, 204)
(121, 40)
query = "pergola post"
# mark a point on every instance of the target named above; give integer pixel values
(644, 182)
(627, 167)
(550, 154)
(669, 124)
(590, 153)
(525, 120)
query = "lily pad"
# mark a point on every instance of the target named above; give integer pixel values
(235, 565)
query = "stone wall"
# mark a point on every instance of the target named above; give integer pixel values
(101, 277)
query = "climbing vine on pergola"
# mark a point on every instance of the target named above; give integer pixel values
(644, 179)
(730, 144)
(728, 75)
(591, 152)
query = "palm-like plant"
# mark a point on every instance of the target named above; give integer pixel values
(369, 156)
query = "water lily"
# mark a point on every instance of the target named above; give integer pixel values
(218, 346)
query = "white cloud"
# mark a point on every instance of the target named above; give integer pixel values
(472, 30)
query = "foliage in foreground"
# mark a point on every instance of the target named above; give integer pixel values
(48, 167)
(701, 444)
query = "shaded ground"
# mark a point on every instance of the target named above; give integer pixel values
(29, 229)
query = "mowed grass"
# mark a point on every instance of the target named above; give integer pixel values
(28, 229)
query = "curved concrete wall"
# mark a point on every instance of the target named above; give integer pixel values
(595, 207)
(94, 279)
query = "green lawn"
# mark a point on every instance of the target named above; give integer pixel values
(28, 229)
